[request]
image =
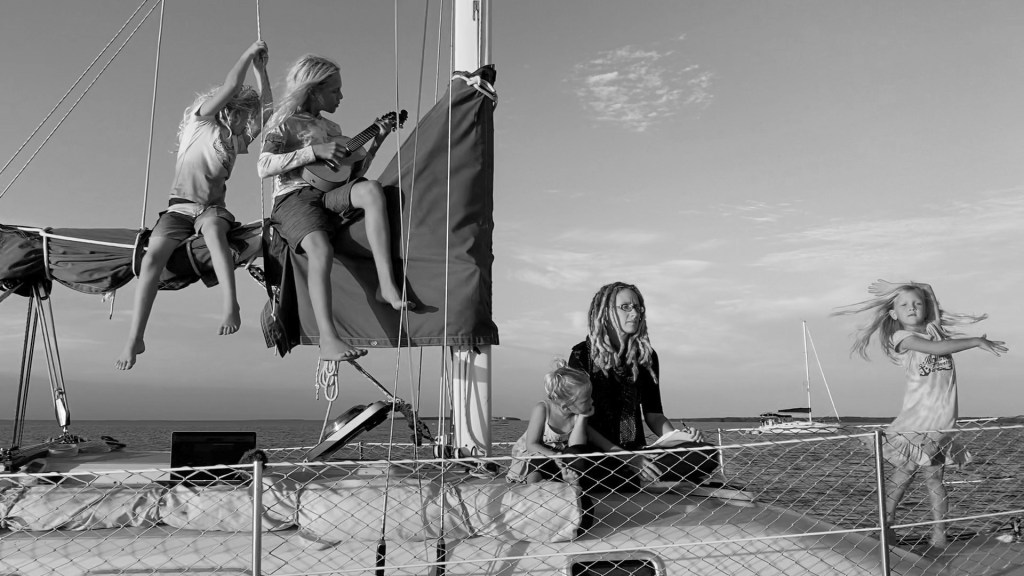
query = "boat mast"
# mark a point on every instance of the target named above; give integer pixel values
(807, 371)
(472, 379)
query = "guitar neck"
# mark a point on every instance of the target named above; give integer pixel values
(363, 137)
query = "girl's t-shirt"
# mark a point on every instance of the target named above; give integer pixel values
(921, 433)
(205, 161)
(288, 147)
(930, 400)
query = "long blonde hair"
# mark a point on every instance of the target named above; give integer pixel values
(884, 325)
(601, 324)
(302, 78)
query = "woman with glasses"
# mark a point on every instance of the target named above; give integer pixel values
(623, 369)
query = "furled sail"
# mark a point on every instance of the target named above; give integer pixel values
(99, 260)
(449, 223)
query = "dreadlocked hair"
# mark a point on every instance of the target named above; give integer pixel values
(601, 323)
(884, 326)
(565, 384)
(246, 100)
(301, 80)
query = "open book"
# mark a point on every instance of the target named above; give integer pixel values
(674, 438)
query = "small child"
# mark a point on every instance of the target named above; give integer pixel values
(911, 331)
(305, 217)
(556, 423)
(218, 126)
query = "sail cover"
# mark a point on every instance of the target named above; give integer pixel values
(447, 260)
(100, 260)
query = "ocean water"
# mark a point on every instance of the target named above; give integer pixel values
(156, 434)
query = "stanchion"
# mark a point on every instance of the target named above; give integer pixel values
(883, 517)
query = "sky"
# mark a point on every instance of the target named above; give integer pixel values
(748, 165)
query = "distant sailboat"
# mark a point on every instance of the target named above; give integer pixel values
(783, 421)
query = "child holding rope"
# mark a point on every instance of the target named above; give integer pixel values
(555, 424)
(219, 125)
(305, 217)
(911, 329)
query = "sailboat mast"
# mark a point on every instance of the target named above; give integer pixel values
(471, 381)
(807, 370)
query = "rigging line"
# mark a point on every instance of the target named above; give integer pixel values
(446, 373)
(44, 234)
(403, 314)
(152, 117)
(415, 384)
(25, 375)
(73, 86)
(75, 104)
(437, 59)
(263, 124)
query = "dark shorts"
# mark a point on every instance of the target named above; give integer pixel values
(186, 222)
(306, 210)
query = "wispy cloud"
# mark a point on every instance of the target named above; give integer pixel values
(639, 87)
(983, 228)
(758, 211)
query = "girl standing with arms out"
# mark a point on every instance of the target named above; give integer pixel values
(218, 126)
(307, 218)
(555, 424)
(911, 329)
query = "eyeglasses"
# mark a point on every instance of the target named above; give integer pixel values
(627, 308)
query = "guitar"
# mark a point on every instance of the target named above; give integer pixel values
(326, 175)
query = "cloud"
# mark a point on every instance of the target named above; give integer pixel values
(981, 230)
(758, 211)
(638, 88)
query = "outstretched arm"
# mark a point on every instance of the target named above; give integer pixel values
(952, 345)
(234, 80)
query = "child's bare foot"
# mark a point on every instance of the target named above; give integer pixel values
(127, 358)
(391, 296)
(232, 320)
(339, 351)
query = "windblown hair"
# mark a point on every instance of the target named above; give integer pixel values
(602, 322)
(884, 325)
(303, 77)
(247, 100)
(565, 384)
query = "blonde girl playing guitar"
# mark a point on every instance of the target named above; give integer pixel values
(297, 135)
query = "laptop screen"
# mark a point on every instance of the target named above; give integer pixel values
(197, 449)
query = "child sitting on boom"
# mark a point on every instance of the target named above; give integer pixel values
(307, 218)
(218, 126)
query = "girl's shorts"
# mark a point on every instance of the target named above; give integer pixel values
(299, 213)
(183, 220)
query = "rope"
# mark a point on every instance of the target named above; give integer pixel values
(46, 234)
(263, 136)
(75, 104)
(152, 117)
(446, 374)
(70, 90)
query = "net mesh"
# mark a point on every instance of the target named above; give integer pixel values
(773, 505)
